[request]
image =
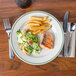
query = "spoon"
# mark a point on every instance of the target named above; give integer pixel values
(71, 29)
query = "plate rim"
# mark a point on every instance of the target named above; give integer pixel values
(47, 60)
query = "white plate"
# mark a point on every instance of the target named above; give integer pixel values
(45, 55)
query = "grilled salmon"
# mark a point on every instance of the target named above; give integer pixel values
(47, 41)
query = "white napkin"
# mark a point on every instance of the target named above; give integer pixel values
(72, 44)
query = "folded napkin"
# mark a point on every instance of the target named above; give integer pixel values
(72, 48)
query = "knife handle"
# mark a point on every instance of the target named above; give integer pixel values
(69, 45)
(65, 47)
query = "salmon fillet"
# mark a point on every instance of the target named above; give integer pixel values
(47, 41)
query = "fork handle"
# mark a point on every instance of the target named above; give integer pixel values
(11, 55)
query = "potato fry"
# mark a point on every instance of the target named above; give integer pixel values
(36, 21)
(42, 31)
(36, 18)
(37, 28)
(44, 18)
(32, 24)
(36, 32)
(45, 24)
(46, 21)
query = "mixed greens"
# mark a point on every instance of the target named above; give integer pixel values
(28, 42)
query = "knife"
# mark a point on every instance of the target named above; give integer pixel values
(65, 23)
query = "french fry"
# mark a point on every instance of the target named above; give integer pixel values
(37, 28)
(36, 18)
(44, 18)
(36, 21)
(45, 24)
(36, 32)
(46, 21)
(42, 31)
(32, 24)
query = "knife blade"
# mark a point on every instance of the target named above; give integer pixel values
(65, 22)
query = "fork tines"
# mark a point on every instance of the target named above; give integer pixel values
(7, 24)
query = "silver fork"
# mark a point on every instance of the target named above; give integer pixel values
(7, 26)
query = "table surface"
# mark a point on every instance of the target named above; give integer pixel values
(15, 67)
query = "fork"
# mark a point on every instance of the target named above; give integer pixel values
(7, 26)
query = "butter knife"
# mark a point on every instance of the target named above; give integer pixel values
(65, 22)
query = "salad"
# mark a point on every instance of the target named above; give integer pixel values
(28, 42)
